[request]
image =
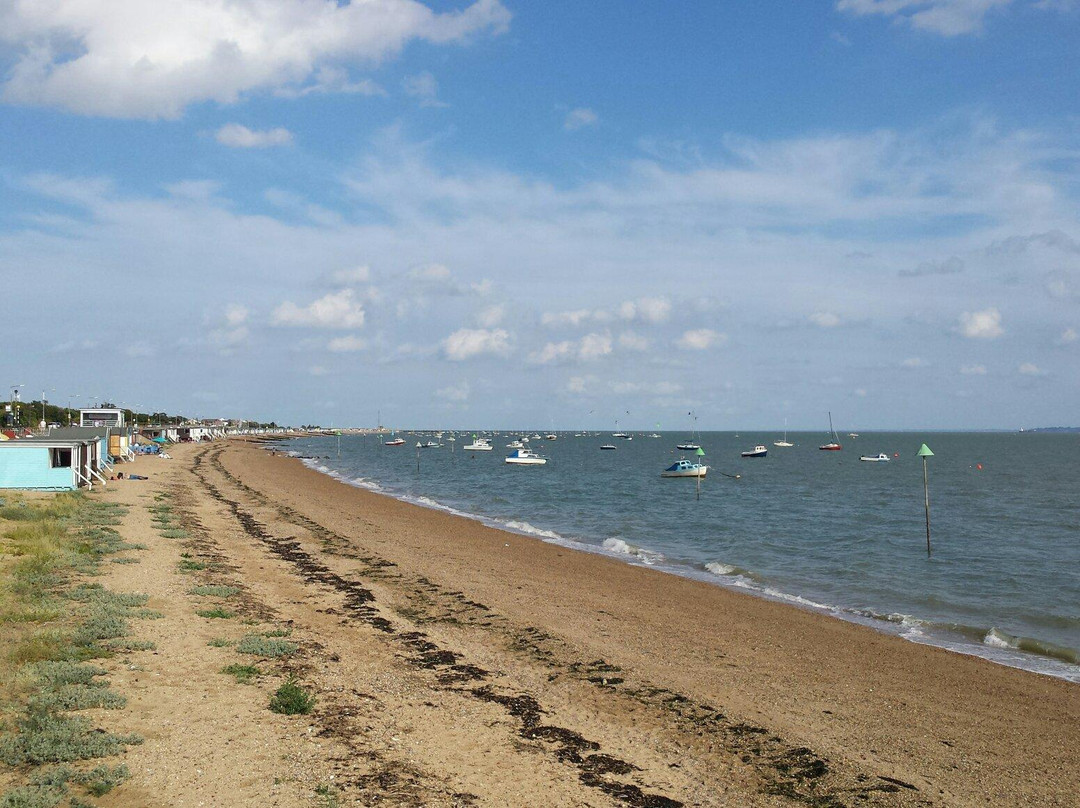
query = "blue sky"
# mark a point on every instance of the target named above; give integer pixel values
(512, 214)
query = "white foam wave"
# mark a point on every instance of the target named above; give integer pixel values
(997, 638)
(716, 568)
(531, 530)
(620, 547)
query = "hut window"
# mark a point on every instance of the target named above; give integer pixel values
(61, 458)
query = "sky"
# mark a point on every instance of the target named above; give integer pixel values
(494, 213)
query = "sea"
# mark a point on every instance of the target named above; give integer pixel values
(820, 530)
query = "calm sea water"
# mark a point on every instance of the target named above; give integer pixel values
(819, 529)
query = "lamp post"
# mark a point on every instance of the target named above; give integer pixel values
(13, 405)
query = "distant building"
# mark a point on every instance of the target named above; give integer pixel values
(101, 417)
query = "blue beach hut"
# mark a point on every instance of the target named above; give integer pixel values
(48, 465)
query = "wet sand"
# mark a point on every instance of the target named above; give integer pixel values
(457, 664)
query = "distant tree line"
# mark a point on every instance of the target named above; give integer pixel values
(30, 413)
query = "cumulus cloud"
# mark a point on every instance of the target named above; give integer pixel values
(347, 344)
(432, 273)
(579, 119)
(985, 324)
(699, 339)
(594, 346)
(469, 342)
(240, 137)
(491, 316)
(349, 277)
(563, 318)
(135, 59)
(456, 392)
(235, 314)
(424, 88)
(1068, 336)
(647, 309)
(553, 352)
(632, 341)
(943, 17)
(1029, 369)
(973, 370)
(335, 310)
(825, 319)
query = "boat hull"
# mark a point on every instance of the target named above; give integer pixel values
(755, 454)
(701, 472)
(526, 461)
(831, 447)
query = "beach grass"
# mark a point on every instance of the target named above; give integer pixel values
(53, 619)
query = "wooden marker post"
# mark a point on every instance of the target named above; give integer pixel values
(924, 452)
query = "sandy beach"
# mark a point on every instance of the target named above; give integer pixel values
(456, 664)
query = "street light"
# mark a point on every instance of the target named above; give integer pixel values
(12, 408)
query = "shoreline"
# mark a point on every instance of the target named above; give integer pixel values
(970, 729)
(1028, 654)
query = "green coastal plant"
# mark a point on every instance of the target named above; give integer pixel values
(215, 591)
(216, 613)
(291, 699)
(265, 647)
(244, 674)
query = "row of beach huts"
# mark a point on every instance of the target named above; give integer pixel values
(69, 458)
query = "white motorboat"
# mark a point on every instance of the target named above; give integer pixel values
(396, 442)
(757, 451)
(879, 458)
(525, 457)
(685, 468)
(515, 444)
(609, 447)
(479, 445)
(551, 436)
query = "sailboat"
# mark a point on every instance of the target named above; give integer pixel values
(834, 444)
(783, 442)
(692, 444)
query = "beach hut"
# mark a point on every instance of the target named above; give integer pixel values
(49, 465)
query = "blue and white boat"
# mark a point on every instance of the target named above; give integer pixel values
(685, 468)
(757, 451)
(525, 457)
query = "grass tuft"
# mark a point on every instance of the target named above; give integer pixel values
(245, 674)
(262, 646)
(214, 591)
(291, 699)
(216, 613)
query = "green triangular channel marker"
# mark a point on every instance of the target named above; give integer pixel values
(924, 451)
(700, 452)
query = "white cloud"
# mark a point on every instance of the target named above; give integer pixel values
(349, 277)
(944, 17)
(985, 324)
(469, 342)
(825, 319)
(913, 362)
(632, 341)
(335, 310)
(700, 339)
(562, 318)
(432, 273)
(491, 316)
(647, 309)
(455, 392)
(973, 370)
(1029, 369)
(1068, 336)
(424, 88)
(553, 352)
(579, 384)
(240, 137)
(135, 59)
(580, 118)
(594, 346)
(347, 344)
(235, 314)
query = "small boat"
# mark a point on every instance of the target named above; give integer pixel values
(515, 444)
(655, 435)
(757, 451)
(784, 443)
(551, 436)
(834, 444)
(396, 442)
(479, 445)
(685, 468)
(619, 435)
(525, 457)
(879, 458)
(688, 446)
(537, 437)
(609, 447)
(431, 444)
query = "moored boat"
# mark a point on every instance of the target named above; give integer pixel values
(479, 445)
(879, 458)
(834, 444)
(525, 457)
(395, 442)
(685, 468)
(757, 451)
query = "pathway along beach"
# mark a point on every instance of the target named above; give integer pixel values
(456, 665)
